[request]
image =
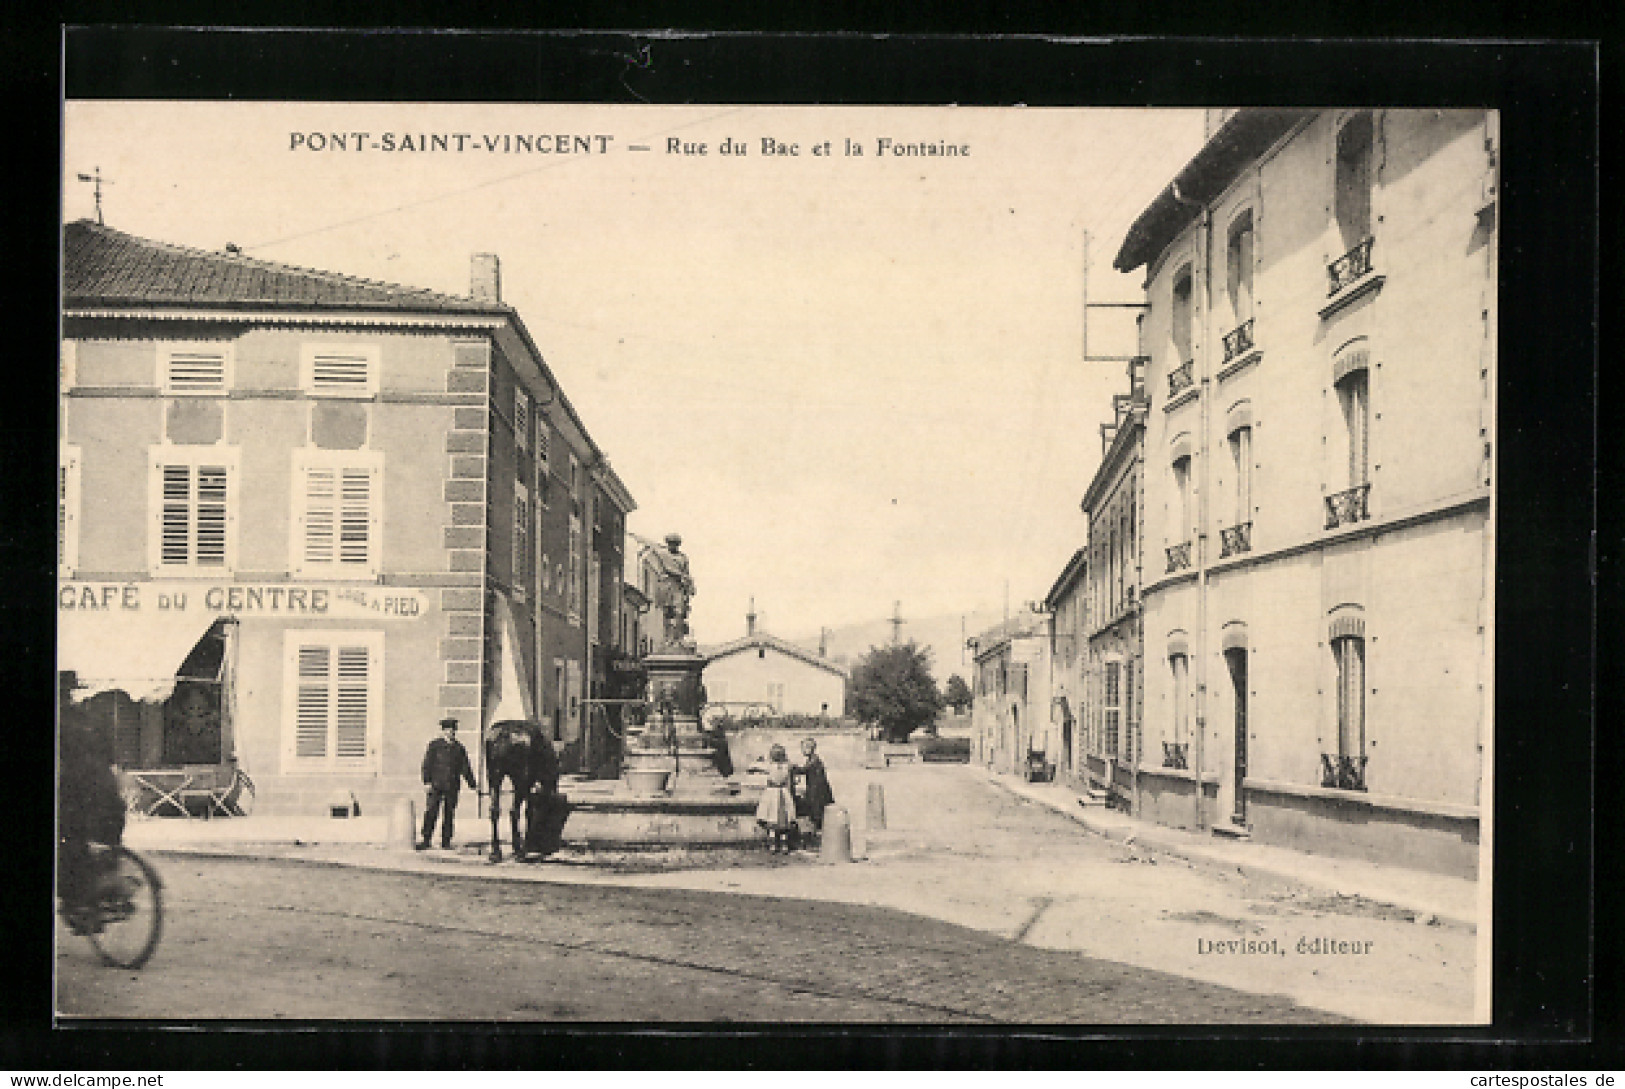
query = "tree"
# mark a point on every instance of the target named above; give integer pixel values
(892, 688)
(957, 694)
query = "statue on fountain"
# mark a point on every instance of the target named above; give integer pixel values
(672, 593)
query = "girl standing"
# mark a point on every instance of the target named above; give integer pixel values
(776, 812)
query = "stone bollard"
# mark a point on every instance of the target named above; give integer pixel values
(403, 824)
(837, 842)
(877, 808)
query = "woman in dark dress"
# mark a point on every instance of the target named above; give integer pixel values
(815, 793)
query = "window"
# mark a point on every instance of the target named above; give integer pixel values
(192, 499)
(339, 370)
(1182, 493)
(1112, 709)
(1176, 753)
(333, 700)
(1348, 652)
(1180, 317)
(574, 592)
(337, 520)
(1241, 456)
(195, 370)
(544, 440)
(1354, 399)
(67, 511)
(572, 478)
(775, 696)
(521, 418)
(1239, 268)
(1353, 194)
(522, 562)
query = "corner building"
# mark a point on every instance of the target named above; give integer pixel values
(373, 501)
(1318, 514)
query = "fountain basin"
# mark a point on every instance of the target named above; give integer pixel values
(603, 813)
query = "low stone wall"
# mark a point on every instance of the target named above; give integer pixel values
(1170, 798)
(1351, 828)
(839, 747)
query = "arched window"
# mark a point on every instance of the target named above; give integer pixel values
(1180, 317)
(1238, 264)
(1353, 195)
(1345, 769)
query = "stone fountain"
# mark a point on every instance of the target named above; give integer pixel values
(676, 786)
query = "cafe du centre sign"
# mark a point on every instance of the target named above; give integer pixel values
(281, 601)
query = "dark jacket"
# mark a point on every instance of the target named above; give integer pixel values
(443, 763)
(815, 794)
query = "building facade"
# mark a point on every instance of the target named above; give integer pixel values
(380, 493)
(1317, 522)
(1010, 718)
(1114, 654)
(1067, 606)
(762, 671)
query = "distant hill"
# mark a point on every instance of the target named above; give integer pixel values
(944, 636)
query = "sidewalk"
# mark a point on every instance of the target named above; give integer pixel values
(1450, 900)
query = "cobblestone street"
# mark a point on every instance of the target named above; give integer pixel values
(972, 905)
(282, 940)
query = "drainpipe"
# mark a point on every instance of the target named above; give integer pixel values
(1204, 399)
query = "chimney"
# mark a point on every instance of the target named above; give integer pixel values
(485, 278)
(823, 642)
(750, 618)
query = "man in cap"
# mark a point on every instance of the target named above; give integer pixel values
(444, 764)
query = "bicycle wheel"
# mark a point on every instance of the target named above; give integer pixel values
(130, 909)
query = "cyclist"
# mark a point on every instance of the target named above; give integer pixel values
(90, 807)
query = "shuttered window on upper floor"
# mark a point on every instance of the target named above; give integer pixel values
(337, 513)
(328, 370)
(193, 504)
(195, 370)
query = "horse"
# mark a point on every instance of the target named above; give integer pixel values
(520, 752)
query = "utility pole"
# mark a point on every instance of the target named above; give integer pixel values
(896, 622)
(98, 181)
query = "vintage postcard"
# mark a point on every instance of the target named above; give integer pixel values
(769, 564)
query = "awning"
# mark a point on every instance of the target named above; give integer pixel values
(136, 651)
(509, 697)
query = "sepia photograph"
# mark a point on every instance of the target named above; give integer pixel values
(570, 563)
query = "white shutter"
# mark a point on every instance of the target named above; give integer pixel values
(340, 370)
(313, 708)
(334, 697)
(212, 493)
(352, 703)
(355, 517)
(175, 517)
(194, 371)
(521, 419)
(544, 441)
(336, 513)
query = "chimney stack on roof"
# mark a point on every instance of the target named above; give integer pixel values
(485, 278)
(750, 618)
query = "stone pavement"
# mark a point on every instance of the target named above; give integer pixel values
(999, 857)
(1450, 900)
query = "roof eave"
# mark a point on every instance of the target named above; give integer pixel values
(1210, 171)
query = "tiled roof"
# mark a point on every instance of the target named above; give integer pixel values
(762, 639)
(106, 267)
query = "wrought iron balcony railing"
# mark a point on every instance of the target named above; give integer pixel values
(1179, 557)
(1350, 267)
(1347, 507)
(1234, 540)
(1238, 341)
(1174, 754)
(1339, 772)
(1181, 378)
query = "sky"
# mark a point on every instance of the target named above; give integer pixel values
(845, 380)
